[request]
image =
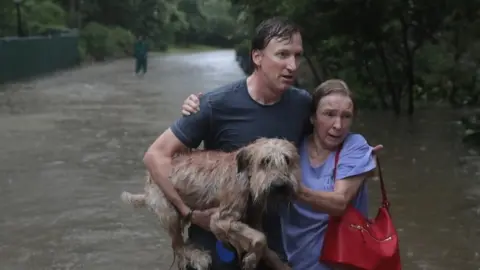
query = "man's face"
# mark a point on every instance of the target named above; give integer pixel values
(279, 61)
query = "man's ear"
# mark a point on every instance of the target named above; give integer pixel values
(257, 57)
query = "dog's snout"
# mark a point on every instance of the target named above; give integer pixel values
(278, 184)
(280, 187)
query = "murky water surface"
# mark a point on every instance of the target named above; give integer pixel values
(72, 142)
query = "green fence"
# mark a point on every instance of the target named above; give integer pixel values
(22, 58)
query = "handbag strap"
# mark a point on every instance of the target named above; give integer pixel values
(385, 201)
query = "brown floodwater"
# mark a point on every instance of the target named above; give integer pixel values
(73, 141)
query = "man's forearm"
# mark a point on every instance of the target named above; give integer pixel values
(160, 171)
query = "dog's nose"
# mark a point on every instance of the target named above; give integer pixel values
(280, 187)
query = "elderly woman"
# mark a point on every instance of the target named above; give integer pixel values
(304, 222)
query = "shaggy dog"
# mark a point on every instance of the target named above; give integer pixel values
(236, 182)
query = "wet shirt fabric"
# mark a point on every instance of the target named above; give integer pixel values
(229, 119)
(303, 228)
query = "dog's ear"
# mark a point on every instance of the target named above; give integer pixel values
(242, 160)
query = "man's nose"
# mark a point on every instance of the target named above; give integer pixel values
(292, 63)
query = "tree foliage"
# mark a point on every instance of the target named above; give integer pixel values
(104, 23)
(393, 53)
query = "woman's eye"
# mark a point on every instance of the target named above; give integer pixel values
(329, 113)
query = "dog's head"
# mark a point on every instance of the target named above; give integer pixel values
(271, 167)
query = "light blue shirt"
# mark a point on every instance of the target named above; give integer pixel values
(303, 228)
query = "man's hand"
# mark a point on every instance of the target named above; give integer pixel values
(191, 104)
(202, 218)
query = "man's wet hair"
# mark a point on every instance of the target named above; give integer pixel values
(273, 28)
(280, 28)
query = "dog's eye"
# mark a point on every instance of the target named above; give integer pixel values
(287, 160)
(264, 162)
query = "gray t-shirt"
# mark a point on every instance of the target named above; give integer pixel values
(229, 119)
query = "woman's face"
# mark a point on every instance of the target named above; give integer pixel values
(333, 119)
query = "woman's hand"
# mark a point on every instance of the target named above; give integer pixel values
(373, 175)
(191, 104)
(301, 191)
(377, 148)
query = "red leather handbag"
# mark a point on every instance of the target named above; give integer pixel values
(353, 240)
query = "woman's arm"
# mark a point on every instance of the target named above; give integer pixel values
(333, 203)
(356, 162)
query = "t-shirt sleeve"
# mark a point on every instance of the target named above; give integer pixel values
(355, 157)
(191, 130)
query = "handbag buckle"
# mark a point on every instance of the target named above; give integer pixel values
(361, 228)
(358, 227)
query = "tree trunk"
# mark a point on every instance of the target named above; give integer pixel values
(408, 66)
(313, 69)
(389, 81)
(379, 88)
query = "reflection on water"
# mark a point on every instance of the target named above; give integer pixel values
(434, 193)
(70, 144)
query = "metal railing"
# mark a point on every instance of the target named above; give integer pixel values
(26, 57)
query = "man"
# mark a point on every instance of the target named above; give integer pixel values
(140, 53)
(262, 105)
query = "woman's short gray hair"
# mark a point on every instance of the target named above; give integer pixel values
(329, 87)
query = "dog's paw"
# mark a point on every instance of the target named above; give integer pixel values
(198, 259)
(249, 262)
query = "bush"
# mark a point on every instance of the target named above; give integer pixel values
(44, 17)
(243, 48)
(82, 52)
(95, 39)
(158, 46)
(242, 55)
(101, 42)
(123, 41)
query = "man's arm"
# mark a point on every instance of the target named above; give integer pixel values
(186, 132)
(158, 160)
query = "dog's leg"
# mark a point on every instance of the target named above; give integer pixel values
(187, 254)
(271, 258)
(173, 225)
(274, 261)
(258, 245)
(137, 200)
(228, 228)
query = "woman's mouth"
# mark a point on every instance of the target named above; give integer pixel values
(335, 136)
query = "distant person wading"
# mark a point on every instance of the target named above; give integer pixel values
(140, 53)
